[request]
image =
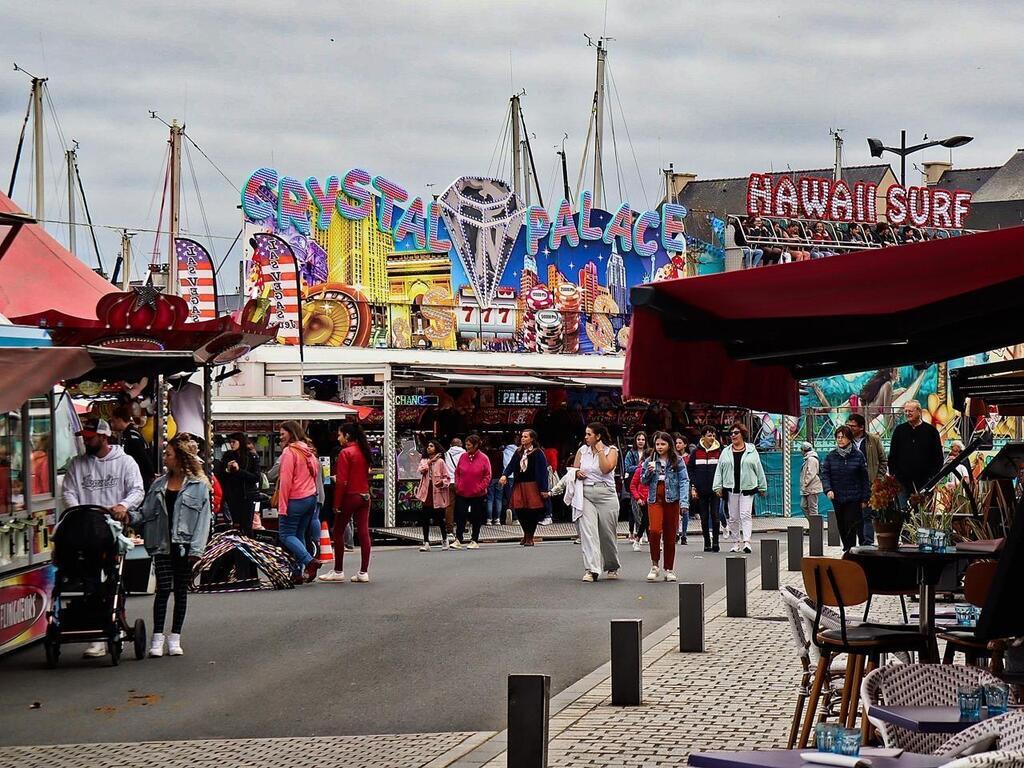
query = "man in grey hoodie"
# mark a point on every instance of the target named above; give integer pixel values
(810, 482)
(105, 476)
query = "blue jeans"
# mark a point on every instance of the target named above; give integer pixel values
(684, 519)
(295, 526)
(752, 257)
(495, 501)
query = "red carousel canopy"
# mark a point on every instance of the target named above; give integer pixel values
(746, 338)
(144, 331)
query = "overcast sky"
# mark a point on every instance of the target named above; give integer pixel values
(417, 91)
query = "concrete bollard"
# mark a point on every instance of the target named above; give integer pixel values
(627, 662)
(691, 618)
(769, 564)
(795, 546)
(816, 530)
(529, 698)
(833, 529)
(736, 586)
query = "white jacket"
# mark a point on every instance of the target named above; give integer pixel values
(451, 458)
(114, 479)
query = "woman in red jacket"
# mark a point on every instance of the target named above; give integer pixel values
(472, 478)
(351, 501)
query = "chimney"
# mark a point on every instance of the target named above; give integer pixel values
(680, 180)
(933, 170)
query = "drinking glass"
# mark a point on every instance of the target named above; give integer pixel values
(848, 742)
(975, 614)
(963, 615)
(939, 539)
(924, 539)
(969, 697)
(825, 736)
(997, 697)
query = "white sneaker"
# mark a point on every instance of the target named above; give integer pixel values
(636, 545)
(472, 545)
(643, 539)
(337, 577)
(425, 547)
(451, 537)
(174, 645)
(361, 578)
(546, 521)
(670, 576)
(446, 545)
(611, 575)
(746, 547)
(95, 650)
(735, 548)
(588, 576)
(156, 645)
(456, 545)
(654, 574)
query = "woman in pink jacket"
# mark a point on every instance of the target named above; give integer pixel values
(433, 492)
(296, 498)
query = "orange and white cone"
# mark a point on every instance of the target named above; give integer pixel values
(326, 550)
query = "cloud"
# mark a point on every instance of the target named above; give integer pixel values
(417, 91)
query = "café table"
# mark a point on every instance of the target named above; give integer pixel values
(925, 719)
(790, 758)
(929, 567)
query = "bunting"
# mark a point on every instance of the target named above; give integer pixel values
(278, 280)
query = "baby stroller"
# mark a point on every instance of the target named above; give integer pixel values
(88, 596)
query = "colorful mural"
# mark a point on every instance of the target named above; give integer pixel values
(474, 269)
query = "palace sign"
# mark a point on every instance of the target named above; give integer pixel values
(810, 197)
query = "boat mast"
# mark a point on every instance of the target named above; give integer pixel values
(172, 257)
(69, 156)
(602, 53)
(517, 164)
(565, 171)
(37, 146)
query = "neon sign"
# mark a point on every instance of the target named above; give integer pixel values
(310, 204)
(811, 197)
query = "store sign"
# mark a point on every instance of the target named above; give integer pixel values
(811, 197)
(522, 398)
(24, 601)
(358, 392)
(416, 401)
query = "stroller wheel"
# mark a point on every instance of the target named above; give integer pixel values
(114, 648)
(139, 638)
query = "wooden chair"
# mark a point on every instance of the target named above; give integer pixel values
(842, 584)
(977, 584)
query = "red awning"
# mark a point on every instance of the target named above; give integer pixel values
(38, 273)
(29, 371)
(745, 338)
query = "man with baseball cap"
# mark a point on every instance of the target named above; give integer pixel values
(105, 476)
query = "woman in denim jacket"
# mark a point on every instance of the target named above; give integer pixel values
(667, 490)
(174, 520)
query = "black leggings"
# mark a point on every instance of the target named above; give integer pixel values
(427, 515)
(850, 517)
(707, 508)
(528, 519)
(472, 509)
(173, 573)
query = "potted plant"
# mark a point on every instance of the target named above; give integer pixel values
(888, 516)
(929, 523)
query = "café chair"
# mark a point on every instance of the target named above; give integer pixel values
(977, 584)
(917, 685)
(1005, 733)
(841, 584)
(999, 759)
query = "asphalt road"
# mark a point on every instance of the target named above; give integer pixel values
(425, 647)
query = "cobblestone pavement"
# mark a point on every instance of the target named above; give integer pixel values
(420, 750)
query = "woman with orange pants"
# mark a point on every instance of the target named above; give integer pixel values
(668, 489)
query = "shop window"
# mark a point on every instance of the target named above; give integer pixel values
(6, 491)
(65, 444)
(41, 434)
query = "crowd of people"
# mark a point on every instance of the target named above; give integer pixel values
(766, 241)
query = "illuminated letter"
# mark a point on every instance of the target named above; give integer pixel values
(672, 216)
(434, 242)
(411, 223)
(860, 212)
(564, 227)
(896, 205)
(814, 196)
(620, 226)
(254, 207)
(354, 202)
(292, 206)
(640, 245)
(840, 205)
(961, 207)
(390, 193)
(587, 232)
(919, 206)
(324, 200)
(942, 201)
(759, 194)
(537, 225)
(784, 202)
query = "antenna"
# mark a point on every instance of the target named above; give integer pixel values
(837, 170)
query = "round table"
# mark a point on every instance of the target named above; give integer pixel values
(929, 567)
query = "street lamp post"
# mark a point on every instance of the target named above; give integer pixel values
(877, 148)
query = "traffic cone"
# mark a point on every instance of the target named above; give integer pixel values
(326, 550)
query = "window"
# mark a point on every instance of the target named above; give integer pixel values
(40, 427)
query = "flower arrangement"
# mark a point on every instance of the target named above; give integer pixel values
(885, 500)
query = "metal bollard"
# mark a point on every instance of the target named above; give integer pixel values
(833, 529)
(691, 618)
(528, 702)
(816, 530)
(795, 546)
(627, 662)
(736, 586)
(769, 563)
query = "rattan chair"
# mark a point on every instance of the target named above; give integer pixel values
(999, 759)
(977, 584)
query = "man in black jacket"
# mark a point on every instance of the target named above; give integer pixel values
(915, 452)
(239, 476)
(133, 443)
